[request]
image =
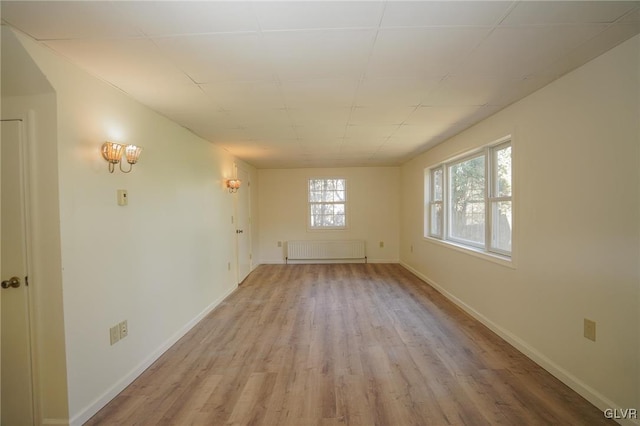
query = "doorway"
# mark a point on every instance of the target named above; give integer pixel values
(16, 390)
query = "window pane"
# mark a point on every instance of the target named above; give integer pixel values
(501, 226)
(436, 178)
(436, 219)
(315, 185)
(467, 200)
(502, 172)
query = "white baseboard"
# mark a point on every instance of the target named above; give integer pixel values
(298, 262)
(57, 422)
(590, 394)
(89, 411)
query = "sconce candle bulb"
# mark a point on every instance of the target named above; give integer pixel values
(112, 152)
(233, 185)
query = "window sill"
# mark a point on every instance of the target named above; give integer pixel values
(491, 257)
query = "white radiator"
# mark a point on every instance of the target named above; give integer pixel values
(325, 250)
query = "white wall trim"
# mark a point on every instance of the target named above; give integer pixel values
(125, 381)
(46, 422)
(592, 395)
(299, 262)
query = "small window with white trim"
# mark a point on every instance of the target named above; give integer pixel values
(328, 203)
(469, 200)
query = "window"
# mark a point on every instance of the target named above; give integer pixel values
(469, 200)
(327, 203)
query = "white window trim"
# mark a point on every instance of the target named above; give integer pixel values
(346, 206)
(487, 252)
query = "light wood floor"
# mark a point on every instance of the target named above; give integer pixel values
(343, 344)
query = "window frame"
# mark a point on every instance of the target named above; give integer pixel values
(310, 203)
(491, 196)
(434, 203)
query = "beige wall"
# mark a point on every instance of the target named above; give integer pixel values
(161, 262)
(373, 210)
(576, 160)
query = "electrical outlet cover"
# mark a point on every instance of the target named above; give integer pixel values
(114, 334)
(124, 329)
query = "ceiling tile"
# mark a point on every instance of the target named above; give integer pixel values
(186, 98)
(229, 57)
(514, 52)
(632, 16)
(320, 116)
(260, 117)
(159, 18)
(389, 115)
(319, 93)
(289, 15)
(439, 117)
(235, 95)
(315, 132)
(567, 12)
(394, 92)
(443, 13)
(328, 54)
(469, 90)
(418, 53)
(271, 132)
(47, 20)
(369, 131)
(127, 64)
(609, 38)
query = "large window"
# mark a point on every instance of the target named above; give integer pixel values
(327, 203)
(469, 200)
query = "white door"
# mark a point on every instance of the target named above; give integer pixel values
(15, 349)
(243, 225)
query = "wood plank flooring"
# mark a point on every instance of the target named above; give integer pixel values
(346, 344)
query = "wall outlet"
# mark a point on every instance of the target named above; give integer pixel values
(381, 244)
(279, 243)
(590, 329)
(229, 266)
(411, 248)
(124, 329)
(114, 334)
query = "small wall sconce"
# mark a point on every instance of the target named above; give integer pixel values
(233, 185)
(112, 152)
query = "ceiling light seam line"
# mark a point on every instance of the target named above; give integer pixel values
(366, 66)
(628, 13)
(507, 12)
(319, 30)
(214, 33)
(170, 60)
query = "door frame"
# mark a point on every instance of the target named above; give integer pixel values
(246, 186)
(27, 135)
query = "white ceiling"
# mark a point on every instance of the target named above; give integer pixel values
(327, 84)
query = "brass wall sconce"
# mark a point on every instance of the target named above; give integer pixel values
(233, 185)
(112, 152)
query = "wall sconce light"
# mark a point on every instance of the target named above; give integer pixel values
(233, 185)
(112, 152)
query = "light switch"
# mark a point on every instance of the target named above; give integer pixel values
(123, 198)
